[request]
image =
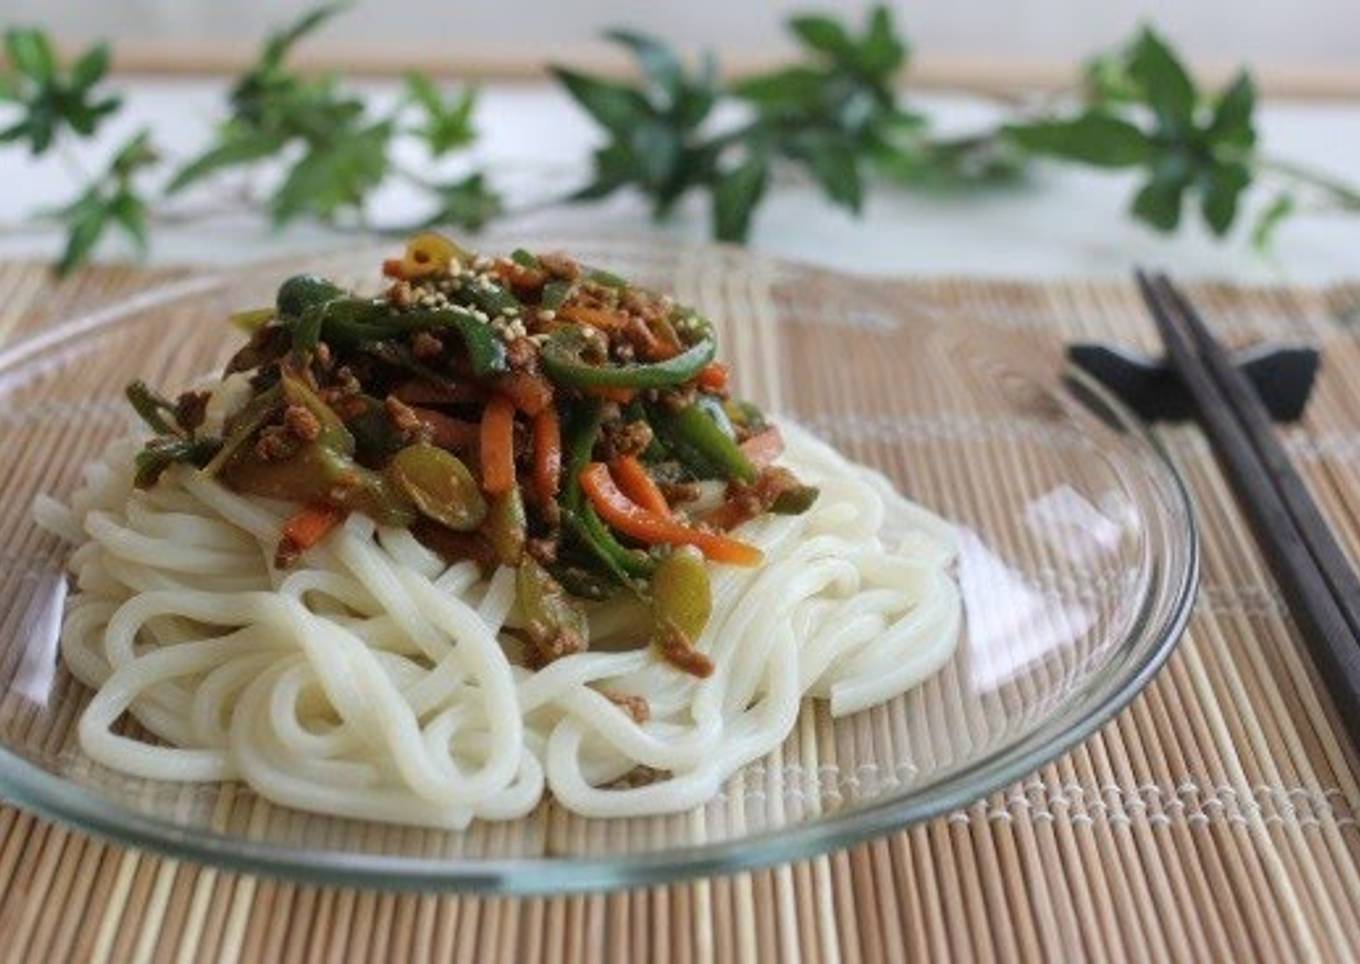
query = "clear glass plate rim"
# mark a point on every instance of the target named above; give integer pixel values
(50, 796)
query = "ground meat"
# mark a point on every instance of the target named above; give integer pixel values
(301, 423)
(635, 706)
(543, 550)
(639, 776)
(522, 355)
(635, 301)
(677, 493)
(745, 502)
(596, 347)
(348, 407)
(677, 649)
(404, 418)
(562, 643)
(560, 265)
(276, 444)
(677, 399)
(190, 409)
(345, 383)
(287, 553)
(625, 438)
(425, 346)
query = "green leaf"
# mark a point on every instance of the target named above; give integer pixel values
(1094, 137)
(129, 212)
(422, 90)
(50, 100)
(1232, 119)
(91, 67)
(135, 154)
(788, 86)
(1158, 202)
(235, 146)
(1269, 221)
(333, 177)
(1105, 81)
(281, 42)
(616, 106)
(1166, 86)
(824, 35)
(31, 54)
(834, 166)
(447, 126)
(882, 53)
(84, 229)
(657, 149)
(1220, 189)
(659, 63)
(735, 196)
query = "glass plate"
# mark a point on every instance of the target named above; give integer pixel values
(1077, 569)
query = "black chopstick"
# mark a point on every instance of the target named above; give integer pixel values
(1332, 641)
(1251, 412)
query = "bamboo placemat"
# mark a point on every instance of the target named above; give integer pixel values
(1213, 819)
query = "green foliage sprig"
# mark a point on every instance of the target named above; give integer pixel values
(50, 99)
(338, 150)
(832, 115)
(840, 115)
(837, 114)
(1141, 109)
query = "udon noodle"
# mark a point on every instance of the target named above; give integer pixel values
(372, 680)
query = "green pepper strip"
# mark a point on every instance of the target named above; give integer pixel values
(555, 294)
(491, 298)
(160, 453)
(353, 322)
(562, 360)
(703, 447)
(623, 563)
(149, 406)
(248, 422)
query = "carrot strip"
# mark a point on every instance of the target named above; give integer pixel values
(713, 376)
(529, 393)
(633, 479)
(498, 446)
(633, 520)
(601, 318)
(547, 455)
(448, 432)
(309, 526)
(763, 448)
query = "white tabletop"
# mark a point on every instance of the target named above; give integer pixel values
(1061, 222)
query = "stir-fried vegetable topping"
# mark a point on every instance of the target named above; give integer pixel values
(524, 411)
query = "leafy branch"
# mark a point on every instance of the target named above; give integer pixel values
(839, 115)
(836, 115)
(337, 152)
(1141, 109)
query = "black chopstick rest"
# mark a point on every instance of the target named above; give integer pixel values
(1283, 376)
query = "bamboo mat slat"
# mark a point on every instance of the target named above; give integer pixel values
(1215, 818)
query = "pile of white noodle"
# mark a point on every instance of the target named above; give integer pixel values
(369, 681)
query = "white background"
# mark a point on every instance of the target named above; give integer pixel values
(1295, 33)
